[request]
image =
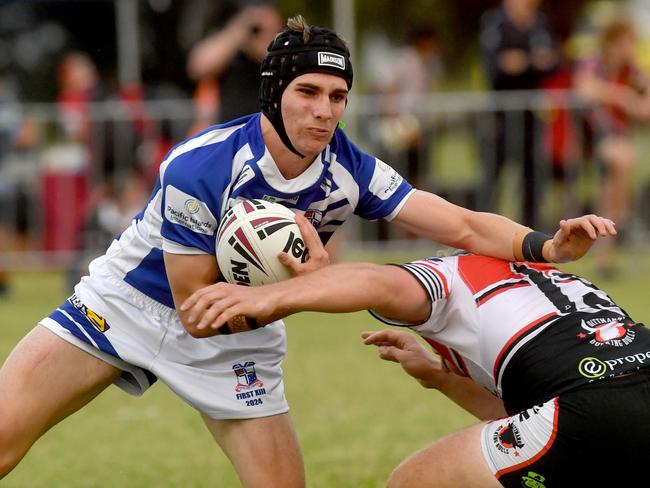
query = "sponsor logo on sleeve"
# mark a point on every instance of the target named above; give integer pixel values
(331, 59)
(188, 211)
(385, 180)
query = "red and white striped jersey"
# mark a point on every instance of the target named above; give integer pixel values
(484, 311)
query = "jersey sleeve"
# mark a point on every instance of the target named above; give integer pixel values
(382, 190)
(435, 275)
(189, 211)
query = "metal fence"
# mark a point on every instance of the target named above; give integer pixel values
(71, 179)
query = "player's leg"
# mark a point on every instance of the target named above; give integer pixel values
(270, 441)
(453, 461)
(44, 380)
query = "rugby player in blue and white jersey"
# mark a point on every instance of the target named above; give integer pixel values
(122, 324)
(558, 371)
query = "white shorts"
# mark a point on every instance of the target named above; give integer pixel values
(226, 377)
(515, 444)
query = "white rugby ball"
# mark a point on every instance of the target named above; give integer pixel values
(250, 237)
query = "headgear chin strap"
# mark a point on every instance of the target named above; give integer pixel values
(289, 56)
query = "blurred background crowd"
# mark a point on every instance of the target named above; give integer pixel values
(536, 110)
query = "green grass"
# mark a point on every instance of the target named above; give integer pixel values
(356, 416)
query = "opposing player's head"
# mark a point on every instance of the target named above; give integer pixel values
(305, 67)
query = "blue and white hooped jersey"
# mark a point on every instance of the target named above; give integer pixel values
(202, 177)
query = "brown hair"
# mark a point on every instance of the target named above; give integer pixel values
(299, 24)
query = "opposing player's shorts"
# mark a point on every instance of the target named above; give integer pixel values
(597, 435)
(226, 377)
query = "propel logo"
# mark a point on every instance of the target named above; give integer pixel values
(591, 367)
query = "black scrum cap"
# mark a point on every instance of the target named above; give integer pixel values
(288, 56)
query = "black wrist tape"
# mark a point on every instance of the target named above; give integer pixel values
(532, 245)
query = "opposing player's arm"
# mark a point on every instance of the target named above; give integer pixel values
(430, 216)
(403, 348)
(186, 274)
(389, 290)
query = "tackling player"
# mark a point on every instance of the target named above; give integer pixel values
(122, 324)
(559, 372)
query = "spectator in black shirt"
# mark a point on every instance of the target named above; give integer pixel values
(517, 52)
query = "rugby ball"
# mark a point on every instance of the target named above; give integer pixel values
(250, 237)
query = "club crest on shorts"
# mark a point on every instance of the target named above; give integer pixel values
(246, 376)
(507, 438)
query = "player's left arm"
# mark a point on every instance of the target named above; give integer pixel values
(430, 216)
(388, 290)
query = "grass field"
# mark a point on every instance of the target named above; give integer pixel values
(356, 416)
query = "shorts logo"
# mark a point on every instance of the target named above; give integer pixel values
(607, 331)
(533, 480)
(508, 438)
(246, 376)
(331, 59)
(94, 318)
(249, 388)
(590, 367)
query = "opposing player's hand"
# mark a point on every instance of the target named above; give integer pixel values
(403, 348)
(317, 256)
(576, 236)
(216, 305)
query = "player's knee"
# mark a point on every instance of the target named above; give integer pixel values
(401, 477)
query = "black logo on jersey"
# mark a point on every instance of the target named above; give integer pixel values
(609, 331)
(508, 438)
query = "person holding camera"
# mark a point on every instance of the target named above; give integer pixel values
(233, 55)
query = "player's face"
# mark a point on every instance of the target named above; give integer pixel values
(312, 106)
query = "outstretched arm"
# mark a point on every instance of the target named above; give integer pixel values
(430, 216)
(389, 290)
(403, 348)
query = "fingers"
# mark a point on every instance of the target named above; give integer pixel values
(214, 315)
(610, 225)
(387, 336)
(202, 299)
(317, 256)
(312, 240)
(589, 228)
(592, 225)
(290, 263)
(390, 353)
